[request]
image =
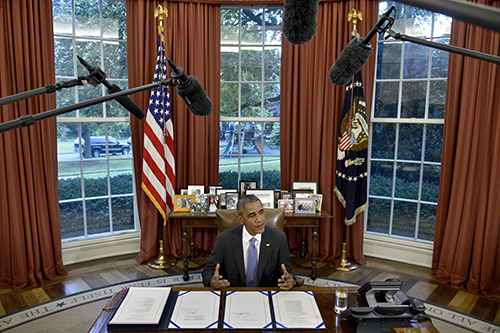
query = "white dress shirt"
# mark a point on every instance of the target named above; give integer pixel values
(245, 238)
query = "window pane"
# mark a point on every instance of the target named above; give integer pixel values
(228, 143)
(251, 28)
(121, 179)
(379, 215)
(405, 219)
(64, 56)
(272, 173)
(228, 171)
(389, 61)
(416, 61)
(427, 222)
(115, 60)
(250, 169)
(272, 100)
(95, 178)
(229, 19)
(434, 143)
(62, 16)
(87, 18)
(430, 183)
(229, 70)
(381, 179)
(442, 25)
(251, 132)
(418, 22)
(113, 108)
(114, 19)
(66, 97)
(72, 224)
(251, 98)
(97, 216)
(407, 180)
(410, 142)
(251, 64)
(90, 51)
(122, 209)
(439, 67)
(413, 99)
(386, 99)
(229, 99)
(272, 66)
(383, 140)
(437, 98)
(273, 26)
(272, 138)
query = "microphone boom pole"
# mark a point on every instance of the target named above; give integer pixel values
(29, 119)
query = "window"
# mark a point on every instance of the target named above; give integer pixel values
(250, 96)
(96, 188)
(407, 126)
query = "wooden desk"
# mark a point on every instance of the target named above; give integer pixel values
(324, 298)
(208, 220)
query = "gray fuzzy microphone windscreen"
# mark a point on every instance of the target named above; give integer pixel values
(349, 62)
(300, 20)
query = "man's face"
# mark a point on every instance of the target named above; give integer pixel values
(253, 218)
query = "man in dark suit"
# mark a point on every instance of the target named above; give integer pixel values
(233, 252)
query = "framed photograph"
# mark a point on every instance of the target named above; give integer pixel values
(222, 193)
(196, 189)
(286, 195)
(286, 204)
(213, 203)
(319, 201)
(305, 206)
(184, 191)
(232, 200)
(247, 185)
(305, 186)
(302, 193)
(265, 196)
(182, 203)
(212, 188)
(201, 204)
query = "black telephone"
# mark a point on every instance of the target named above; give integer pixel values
(386, 308)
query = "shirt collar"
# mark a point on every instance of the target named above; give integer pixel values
(246, 236)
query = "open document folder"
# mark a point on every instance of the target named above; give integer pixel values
(196, 310)
(247, 309)
(296, 309)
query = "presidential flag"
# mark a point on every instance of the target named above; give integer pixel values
(158, 170)
(352, 152)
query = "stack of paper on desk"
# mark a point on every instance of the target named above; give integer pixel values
(296, 309)
(142, 308)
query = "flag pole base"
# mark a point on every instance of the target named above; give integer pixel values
(342, 264)
(161, 262)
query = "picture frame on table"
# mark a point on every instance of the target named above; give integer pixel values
(232, 200)
(286, 204)
(213, 203)
(182, 202)
(201, 204)
(305, 186)
(246, 185)
(212, 189)
(196, 189)
(302, 193)
(183, 191)
(319, 201)
(286, 195)
(222, 193)
(266, 196)
(304, 206)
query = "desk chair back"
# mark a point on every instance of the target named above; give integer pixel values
(226, 218)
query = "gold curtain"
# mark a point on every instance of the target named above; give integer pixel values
(466, 252)
(30, 234)
(192, 41)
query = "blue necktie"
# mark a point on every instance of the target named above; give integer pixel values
(252, 265)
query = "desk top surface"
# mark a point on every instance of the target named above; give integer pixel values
(324, 297)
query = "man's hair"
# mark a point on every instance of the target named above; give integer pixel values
(246, 199)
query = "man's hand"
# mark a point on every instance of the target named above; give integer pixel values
(286, 282)
(217, 281)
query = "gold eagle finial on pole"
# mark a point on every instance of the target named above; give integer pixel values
(354, 15)
(159, 11)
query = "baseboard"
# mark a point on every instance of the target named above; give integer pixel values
(401, 250)
(100, 248)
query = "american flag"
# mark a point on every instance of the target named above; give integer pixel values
(352, 152)
(158, 170)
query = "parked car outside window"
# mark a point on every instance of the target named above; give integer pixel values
(98, 146)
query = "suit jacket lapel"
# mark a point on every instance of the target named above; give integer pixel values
(265, 249)
(237, 245)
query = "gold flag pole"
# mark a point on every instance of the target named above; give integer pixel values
(160, 262)
(342, 264)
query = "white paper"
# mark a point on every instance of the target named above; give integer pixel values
(196, 310)
(247, 309)
(296, 309)
(142, 305)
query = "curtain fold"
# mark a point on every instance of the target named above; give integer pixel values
(310, 114)
(192, 41)
(466, 251)
(30, 235)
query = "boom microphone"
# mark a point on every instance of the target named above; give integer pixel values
(191, 92)
(98, 76)
(300, 20)
(356, 53)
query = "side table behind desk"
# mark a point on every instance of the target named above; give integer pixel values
(202, 220)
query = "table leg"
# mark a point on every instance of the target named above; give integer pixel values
(191, 243)
(185, 254)
(303, 245)
(314, 255)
